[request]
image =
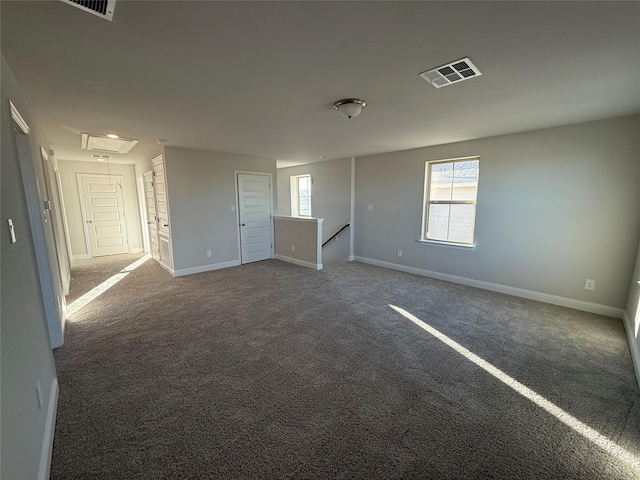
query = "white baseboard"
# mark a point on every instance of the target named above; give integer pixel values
(137, 250)
(47, 442)
(205, 268)
(302, 263)
(494, 287)
(351, 258)
(82, 256)
(633, 345)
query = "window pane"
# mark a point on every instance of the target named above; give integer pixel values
(438, 222)
(305, 206)
(303, 186)
(461, 221)
(441, 180)
(465, 180)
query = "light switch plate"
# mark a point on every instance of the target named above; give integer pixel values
(12, 231)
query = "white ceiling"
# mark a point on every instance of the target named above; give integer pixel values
(260, 78)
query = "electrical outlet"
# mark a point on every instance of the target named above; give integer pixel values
(370, 208)
(39, 395)
(589, 284)
(208, 253)
(399, 253)
(293, 248)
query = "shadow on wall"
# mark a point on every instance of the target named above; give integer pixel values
(337, 250)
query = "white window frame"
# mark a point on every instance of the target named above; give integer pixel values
(295, 195)
(425, 206)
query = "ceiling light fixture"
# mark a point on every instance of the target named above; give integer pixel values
(112, 135)
(350, 107)
(162, 141)
(105, 143)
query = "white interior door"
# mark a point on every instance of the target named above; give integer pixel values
(151, 218)
(254, 210)
(162, 206)
(103, 214)
(162, 212)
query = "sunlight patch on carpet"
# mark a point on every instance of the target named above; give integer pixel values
(566, 418)
(92, 294)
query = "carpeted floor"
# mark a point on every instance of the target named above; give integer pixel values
(270, 370)
(89, 273)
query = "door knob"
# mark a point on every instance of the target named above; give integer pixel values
(89, 221)
(243, 225)
(166, 224)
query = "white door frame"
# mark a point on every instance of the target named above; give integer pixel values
(65, 224)
(235, 176)
(55, 214)
(142, 205)
(85, 225)
(163, 235)
(55, 317)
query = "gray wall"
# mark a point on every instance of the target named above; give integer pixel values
(26, 356)
(555, 206)
(201, 191)
(302, 234)
(144, 166)
(330, 199)
(68, 171)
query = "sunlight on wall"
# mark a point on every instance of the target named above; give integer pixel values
(91, 295)
(550, 407)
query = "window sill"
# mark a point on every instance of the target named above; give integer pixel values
(459, 246)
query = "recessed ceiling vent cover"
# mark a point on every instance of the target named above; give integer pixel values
(453, 72)
(102, 143)
(101, 8)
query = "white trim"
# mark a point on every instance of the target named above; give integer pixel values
(271, 222)
(494, 287)
(351, 258)
(50, 427)
(82, 256)
(15, 114)
(160, 159)
(302, 263)
(46, 278)
(460, 246)
(65, 223)
(205, 268)
(119, 180)
(352, 210)
(299, 219)
(633, 345)
(142, 207)
(426, 203)
(294, 189)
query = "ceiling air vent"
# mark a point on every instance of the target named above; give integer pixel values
(453, 72)
(102, 143)
(101, 8)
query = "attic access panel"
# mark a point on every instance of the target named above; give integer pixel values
(453, 72)
(102, 143)
(101, 8)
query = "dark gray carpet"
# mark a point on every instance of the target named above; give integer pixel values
(275, 371)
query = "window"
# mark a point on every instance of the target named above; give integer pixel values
(301, 195)
(450, 192)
